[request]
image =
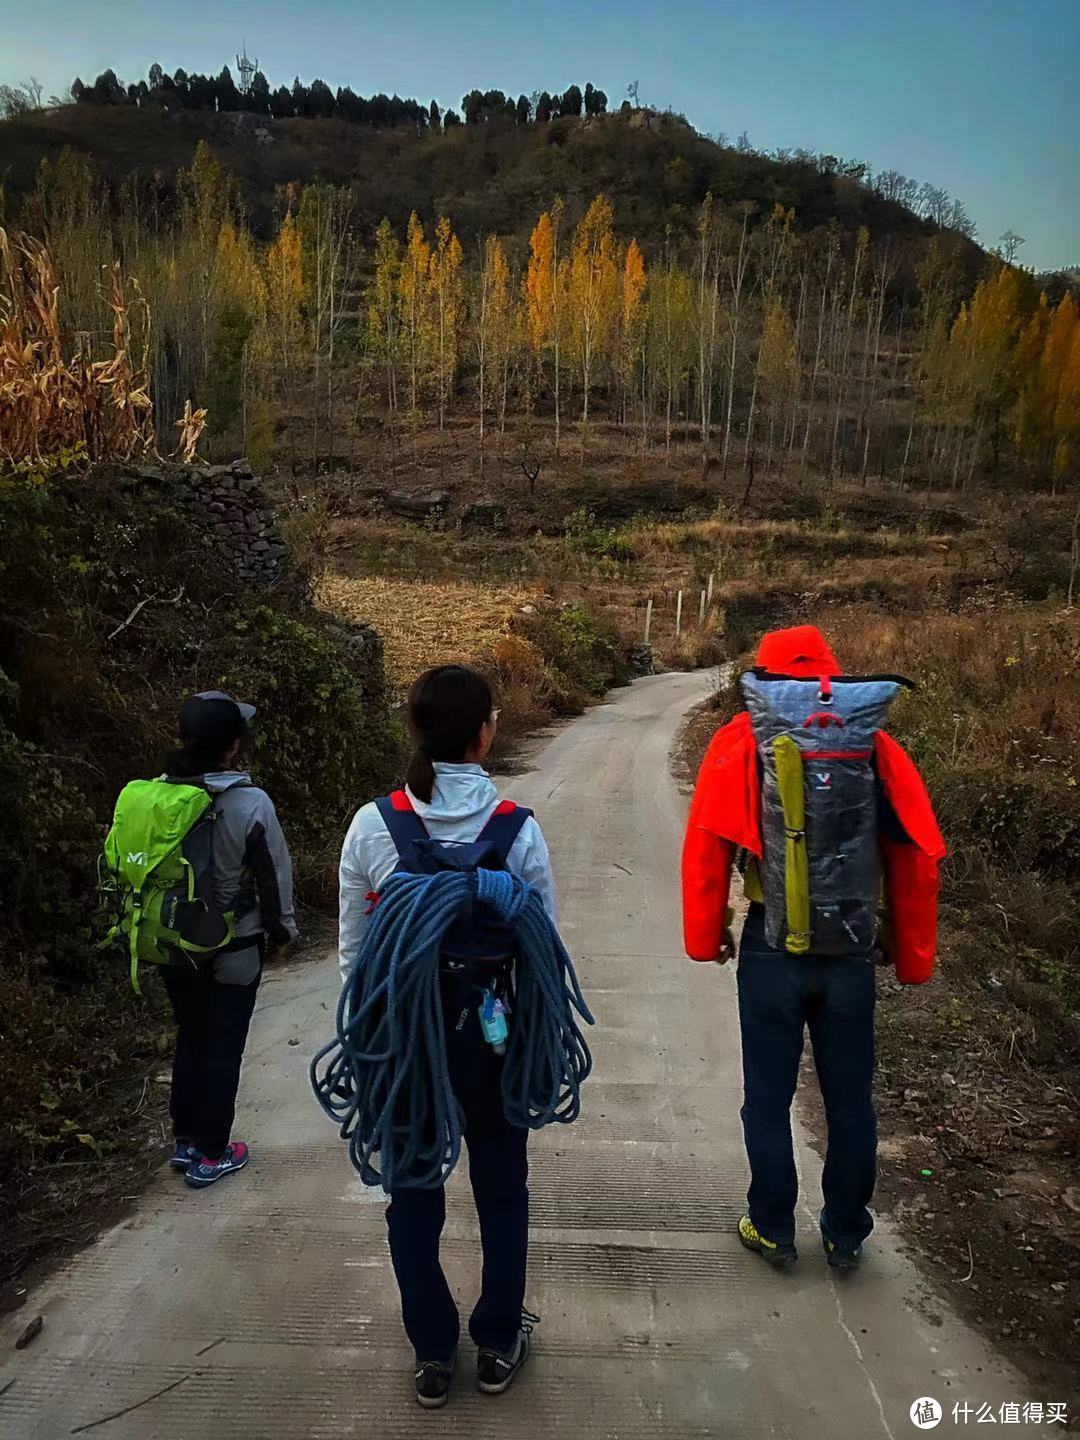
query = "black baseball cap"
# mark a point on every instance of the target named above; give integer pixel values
(215, 716)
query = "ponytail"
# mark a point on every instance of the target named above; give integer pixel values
(194, 758)
(448, 707)
(420, 776)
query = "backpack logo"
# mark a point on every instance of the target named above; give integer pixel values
(137, 857)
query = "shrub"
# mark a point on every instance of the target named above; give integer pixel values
(111, 610)
(585, 655)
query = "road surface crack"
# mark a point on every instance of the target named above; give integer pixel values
(127, 1410)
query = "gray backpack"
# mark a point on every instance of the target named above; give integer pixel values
(819, 870)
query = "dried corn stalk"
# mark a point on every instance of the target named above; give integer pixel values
(191, 425)
(56, 396)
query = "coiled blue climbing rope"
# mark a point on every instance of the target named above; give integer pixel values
(385, 1078)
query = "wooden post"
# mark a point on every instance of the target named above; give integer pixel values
(678, 616)
(648, 620)
(708, 602)
(701, 610)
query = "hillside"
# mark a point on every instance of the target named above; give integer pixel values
(488, 178)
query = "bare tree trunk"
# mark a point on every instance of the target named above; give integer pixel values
(737, 274)
(817, 358)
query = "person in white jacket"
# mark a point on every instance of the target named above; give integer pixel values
(453, 722)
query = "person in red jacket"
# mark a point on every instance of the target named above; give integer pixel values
(781, 994)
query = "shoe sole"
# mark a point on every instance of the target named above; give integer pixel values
(203, 1184)
(486, 1388)
(426, 1402)
(776, 1259)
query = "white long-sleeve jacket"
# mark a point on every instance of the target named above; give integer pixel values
(461, 805)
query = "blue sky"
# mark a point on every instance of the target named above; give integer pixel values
(978, 96)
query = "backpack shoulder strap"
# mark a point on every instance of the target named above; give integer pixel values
(504, 827)
(402, 821)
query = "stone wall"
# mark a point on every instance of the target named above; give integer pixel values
(229, 503)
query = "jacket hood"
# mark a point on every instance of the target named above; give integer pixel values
(801, 652)
(461, 791)
(226, 779)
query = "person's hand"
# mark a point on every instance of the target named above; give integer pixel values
(727, 949)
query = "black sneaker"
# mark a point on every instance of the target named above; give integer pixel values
(433, 1383)
(496, 1370)
(841, 1257)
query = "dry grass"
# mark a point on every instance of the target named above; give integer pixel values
(55, 397)
(425, 623)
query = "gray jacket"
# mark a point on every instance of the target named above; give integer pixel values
(252, 869)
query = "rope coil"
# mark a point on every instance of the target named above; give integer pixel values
(384, 1078)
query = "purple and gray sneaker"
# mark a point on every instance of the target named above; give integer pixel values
(183, 1155)
(202, 1172)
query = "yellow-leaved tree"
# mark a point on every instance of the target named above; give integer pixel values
(1067, 413)
(594, 294)
(492, 315)
(632, 330)
(382, 309)
(983, 343)
(238, 376)
(414, 296)
(669, 333)
(544, 284)
(284, 313)
(776, 366)
(445, 276)
(1056, 382)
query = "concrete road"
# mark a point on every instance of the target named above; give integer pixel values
(265, 1307)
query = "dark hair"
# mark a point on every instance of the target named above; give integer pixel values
(448, 707)
(195, 757)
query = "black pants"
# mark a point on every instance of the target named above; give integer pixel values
(211, 1031)
(499, 1171)
(781, 995)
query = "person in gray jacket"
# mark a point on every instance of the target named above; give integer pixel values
(213, 1002)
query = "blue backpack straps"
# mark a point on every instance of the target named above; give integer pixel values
(406, 828)
(402, 821)
(504, 827)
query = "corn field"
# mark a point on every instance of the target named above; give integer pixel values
(60, 397)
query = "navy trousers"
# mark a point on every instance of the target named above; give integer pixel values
(212, 1022)
(781, 995)
(499, 1172)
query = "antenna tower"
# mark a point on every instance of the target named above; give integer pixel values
(246, 70)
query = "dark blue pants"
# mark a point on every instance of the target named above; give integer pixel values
(499, 1172)
(779, 996)
(212, 1022)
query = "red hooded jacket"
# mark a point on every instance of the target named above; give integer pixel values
(725, 816)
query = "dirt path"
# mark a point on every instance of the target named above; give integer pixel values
(266, 1307)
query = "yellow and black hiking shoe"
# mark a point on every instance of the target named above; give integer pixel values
(769, 1250)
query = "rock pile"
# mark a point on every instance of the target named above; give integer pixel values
(228, 502)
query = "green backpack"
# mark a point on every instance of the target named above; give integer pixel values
(159, 860)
